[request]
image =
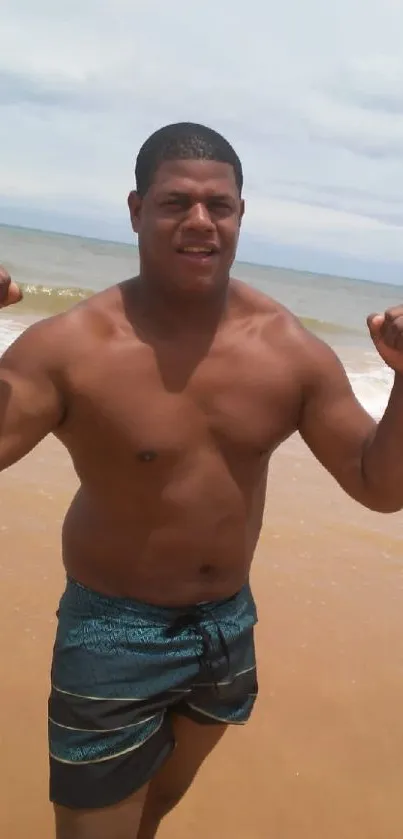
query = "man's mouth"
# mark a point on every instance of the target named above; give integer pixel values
(198, 251)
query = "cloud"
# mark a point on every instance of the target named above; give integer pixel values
(310, 94)
(375, 83)
(32, 90)
(359, 106)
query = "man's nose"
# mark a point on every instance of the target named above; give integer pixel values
(198, 218)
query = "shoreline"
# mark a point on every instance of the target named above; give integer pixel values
(324, 742)
(41, 301)
(131, 244)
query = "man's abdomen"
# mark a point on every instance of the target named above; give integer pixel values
(193, 541)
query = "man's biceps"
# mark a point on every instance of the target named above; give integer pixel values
(15, 380)
(331, 392)
(27, 396)
(326, 414)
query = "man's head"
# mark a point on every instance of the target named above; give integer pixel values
(187, 208)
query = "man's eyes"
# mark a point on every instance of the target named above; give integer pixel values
(220, 205)
(175, 203)
(213, 206)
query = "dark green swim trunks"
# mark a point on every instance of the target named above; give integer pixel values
(120, 667)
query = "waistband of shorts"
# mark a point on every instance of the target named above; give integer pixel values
(82, 599)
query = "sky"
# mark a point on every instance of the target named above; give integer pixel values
(309, 93)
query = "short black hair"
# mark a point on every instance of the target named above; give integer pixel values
(183, 141)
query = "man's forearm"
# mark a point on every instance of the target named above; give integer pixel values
(382, 461)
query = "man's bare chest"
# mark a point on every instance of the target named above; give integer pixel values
(141, 401)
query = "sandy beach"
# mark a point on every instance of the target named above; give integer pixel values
(322, 757)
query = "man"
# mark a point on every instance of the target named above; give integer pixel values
(171, 391)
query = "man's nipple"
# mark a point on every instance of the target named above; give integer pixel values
(147, 456)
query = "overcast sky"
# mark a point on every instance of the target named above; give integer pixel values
(309, 92)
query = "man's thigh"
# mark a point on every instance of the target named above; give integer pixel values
(119, 821)
(193, 744)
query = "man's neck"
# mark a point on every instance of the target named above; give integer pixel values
(181, 313)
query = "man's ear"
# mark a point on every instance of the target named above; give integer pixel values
(134, 202)
(242, 212)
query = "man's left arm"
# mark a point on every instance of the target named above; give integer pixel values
(365, 458)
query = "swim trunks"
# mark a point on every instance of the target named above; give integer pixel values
(121, 668)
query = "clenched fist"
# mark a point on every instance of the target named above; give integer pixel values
(387, 334)
(9, 291)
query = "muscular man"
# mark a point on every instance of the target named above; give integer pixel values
(170, 392)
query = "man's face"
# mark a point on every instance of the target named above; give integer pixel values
(188, 225)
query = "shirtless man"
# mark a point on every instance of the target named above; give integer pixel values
(171, 391)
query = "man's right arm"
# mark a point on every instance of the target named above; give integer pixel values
(31, 400)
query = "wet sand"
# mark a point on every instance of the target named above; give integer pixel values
(323, 756)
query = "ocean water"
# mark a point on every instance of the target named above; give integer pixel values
(56, 271)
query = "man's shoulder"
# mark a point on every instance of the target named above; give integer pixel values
(89, 316)
(280, 328)
(58, 339)
(268, 311)
(93, 317)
